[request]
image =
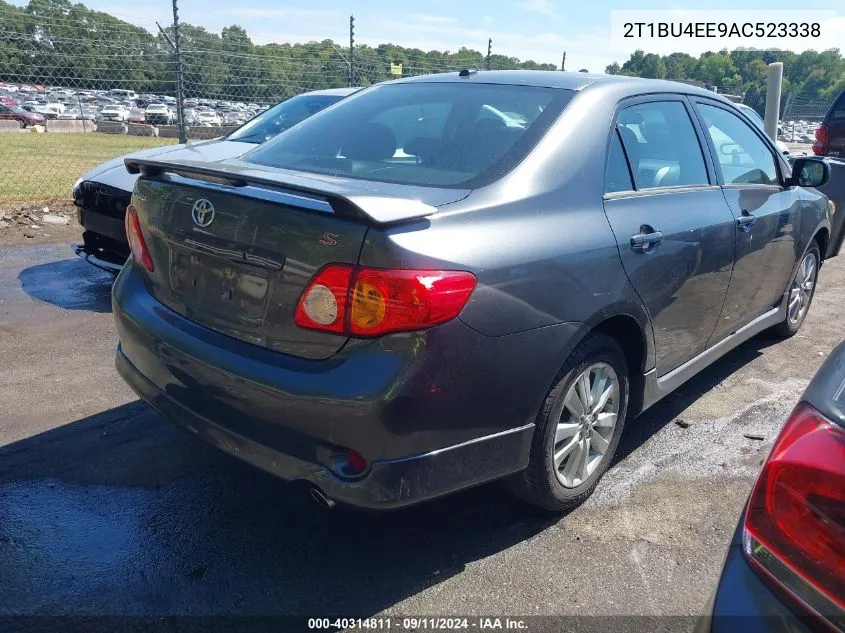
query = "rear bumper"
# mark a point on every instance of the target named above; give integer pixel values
(101, 213)
(386, 484)
(431, 412)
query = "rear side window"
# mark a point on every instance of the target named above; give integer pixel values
(662, 146)
(742, 155)
(837, 110)
(433, 134)
(618, 177)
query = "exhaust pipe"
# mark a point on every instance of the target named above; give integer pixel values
(321, 499)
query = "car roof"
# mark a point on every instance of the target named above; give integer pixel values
(565, 80)
(341, 92)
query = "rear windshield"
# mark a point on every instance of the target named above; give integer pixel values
(434, 134)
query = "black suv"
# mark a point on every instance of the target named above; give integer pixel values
(830, 136)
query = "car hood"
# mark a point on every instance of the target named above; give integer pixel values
(113, 173)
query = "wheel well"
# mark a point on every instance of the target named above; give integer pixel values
(626, 331)
(822, 237)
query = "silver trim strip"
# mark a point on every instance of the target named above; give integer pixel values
(461, 445)
(657, 388)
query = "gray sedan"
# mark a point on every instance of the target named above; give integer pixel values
(450, 279)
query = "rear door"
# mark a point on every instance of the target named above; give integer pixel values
(767, 214)
(674, 230)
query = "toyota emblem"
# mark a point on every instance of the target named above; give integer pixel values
(203, 213)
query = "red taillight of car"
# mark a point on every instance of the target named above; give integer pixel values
(364, 302)
(794, 528)
(137, 244)
(820, 146)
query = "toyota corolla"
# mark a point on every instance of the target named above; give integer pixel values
(451, 279)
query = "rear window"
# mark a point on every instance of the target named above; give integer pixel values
(430, 134)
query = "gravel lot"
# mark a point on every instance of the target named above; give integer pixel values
(108, 510)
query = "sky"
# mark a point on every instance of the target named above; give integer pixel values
(528, 29)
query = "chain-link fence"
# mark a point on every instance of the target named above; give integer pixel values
(79, 87)
(801, 117)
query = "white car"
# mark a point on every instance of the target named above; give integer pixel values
(136, 115)
(158, 114)
(208, 118)
(115, 113)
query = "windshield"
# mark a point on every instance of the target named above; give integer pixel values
(283, 116)
(431, 134)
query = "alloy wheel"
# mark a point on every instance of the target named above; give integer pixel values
(801, 291)
(586, 424)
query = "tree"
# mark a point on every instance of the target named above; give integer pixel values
(680, 66)
(613, 69)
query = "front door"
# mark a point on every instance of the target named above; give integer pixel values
(767, 216)
(674, 230)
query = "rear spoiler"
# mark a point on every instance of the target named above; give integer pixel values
(316, 194)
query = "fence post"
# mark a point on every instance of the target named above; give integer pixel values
(180, 108)
(351, 77)
(773, 99)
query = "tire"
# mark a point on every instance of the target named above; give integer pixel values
(790, 326)
(541, 483)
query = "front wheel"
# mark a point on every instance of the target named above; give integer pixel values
(578, 427)
(801, 292)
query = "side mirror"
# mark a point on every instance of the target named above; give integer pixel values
(809, 172)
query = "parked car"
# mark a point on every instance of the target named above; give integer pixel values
(56, 107)
(404, 296)
(16, 113)
(43, 110)
(137, 115)
(208, 118)
(78, 114)
(234, 118)
(102, 194)
(830, 135)
(158, 114)
(784, 567)
(115, 113)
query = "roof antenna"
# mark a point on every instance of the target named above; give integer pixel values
(466, 72)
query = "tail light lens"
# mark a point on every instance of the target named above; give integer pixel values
(820, 146)
(365, 302)
(794, 528)
(137, 244)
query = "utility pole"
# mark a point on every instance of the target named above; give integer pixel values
(180, 108)
(351, 46)
(489, 51)
(563, 61)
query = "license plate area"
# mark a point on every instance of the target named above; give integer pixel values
(219, 287)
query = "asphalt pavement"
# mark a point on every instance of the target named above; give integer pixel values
(109, 511)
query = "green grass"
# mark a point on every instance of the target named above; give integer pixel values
(42, 167)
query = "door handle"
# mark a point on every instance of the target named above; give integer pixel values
(745, 221)
(646, 238)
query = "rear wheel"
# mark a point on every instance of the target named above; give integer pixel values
(578, 427)
(801, 292)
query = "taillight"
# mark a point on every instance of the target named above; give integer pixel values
(794, 528)
(820, 146)
(364, 302)
(137, 244)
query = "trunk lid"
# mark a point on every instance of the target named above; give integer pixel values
(234, 250)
